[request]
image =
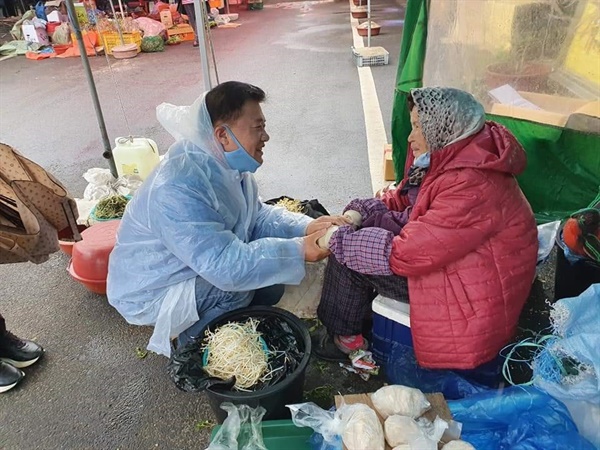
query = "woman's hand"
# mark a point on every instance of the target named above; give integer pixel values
(324, 222)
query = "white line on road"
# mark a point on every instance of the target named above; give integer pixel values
(376, 137)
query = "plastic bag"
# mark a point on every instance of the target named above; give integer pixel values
(311, 208)
(403, 369)
(102, 184)
(546, 238)
(40, 11)
(218, 18)
(421, 433)
(326, 424)
(241, 429)
(400, 400)
(186, 367)
(361, 428)
(150, 27)
(153, 44)
(517, 418)
(62, 35)
(568, 368)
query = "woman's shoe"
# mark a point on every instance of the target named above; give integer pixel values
(323, 347)
(19, 352)
(195, 44)
(9, 376)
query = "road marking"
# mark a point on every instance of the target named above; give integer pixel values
(376, 137)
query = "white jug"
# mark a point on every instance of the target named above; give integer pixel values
(135, 156)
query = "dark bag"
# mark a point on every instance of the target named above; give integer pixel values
(310, 208)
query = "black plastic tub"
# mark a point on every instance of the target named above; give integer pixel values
(272, 398)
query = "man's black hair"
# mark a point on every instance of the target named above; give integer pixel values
(225, 101)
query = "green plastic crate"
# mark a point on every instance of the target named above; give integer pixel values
(281, 435)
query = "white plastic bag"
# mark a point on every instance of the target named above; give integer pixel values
(361, 428)
(400, 400)
(546, 238)
(218, 18)
(102, 184)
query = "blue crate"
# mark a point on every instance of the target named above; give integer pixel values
(391, 324)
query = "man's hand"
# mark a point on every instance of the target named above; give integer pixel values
(312, 252)
(325, 222)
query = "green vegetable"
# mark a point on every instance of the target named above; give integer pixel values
(111, 207)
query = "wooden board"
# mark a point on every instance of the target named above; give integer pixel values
(439, 407)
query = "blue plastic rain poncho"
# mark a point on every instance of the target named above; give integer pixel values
(196, 217)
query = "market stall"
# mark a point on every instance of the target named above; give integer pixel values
(534, 66)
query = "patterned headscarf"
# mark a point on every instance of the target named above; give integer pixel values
(447, 115)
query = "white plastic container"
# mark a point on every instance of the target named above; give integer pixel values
(135, 156)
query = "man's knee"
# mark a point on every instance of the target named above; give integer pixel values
(269, 295)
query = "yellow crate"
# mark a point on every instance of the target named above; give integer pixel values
(111, 39)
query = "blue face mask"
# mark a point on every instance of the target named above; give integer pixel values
(422, 160)
(240, 159)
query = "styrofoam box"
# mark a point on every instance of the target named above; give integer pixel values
(391, 324)
(33, 34)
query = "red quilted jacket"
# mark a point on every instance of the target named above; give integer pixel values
(469, 250)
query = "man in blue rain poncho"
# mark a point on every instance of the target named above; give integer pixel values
(195, 241)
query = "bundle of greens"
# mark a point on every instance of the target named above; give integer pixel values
(112, 207)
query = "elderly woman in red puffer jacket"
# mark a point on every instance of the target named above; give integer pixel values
(457, 239)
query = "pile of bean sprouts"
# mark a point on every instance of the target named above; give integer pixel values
(236, 350)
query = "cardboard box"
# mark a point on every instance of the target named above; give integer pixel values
(33, 34)
(389, 171)
(166, 18)
(555, 110)
(439, 407)
(185, 32)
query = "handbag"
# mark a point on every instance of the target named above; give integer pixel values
(34, 207)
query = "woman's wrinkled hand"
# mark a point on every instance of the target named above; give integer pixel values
(324, 222)
(381, 192)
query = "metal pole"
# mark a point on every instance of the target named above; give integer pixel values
(90, 79)
(201, 32)
(369, 23)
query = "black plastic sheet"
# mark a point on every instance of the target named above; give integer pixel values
(186, 370)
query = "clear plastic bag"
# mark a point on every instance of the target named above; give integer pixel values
(421, 433)
(241, 430)
(361, 428)
(546, 238)
(326, 423)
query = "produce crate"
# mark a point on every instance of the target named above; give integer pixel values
(370, 56)
(185, 32)
(110, 39)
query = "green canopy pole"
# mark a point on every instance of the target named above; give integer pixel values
(92, 85)
(409, 76)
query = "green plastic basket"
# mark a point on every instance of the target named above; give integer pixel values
(281, 435)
